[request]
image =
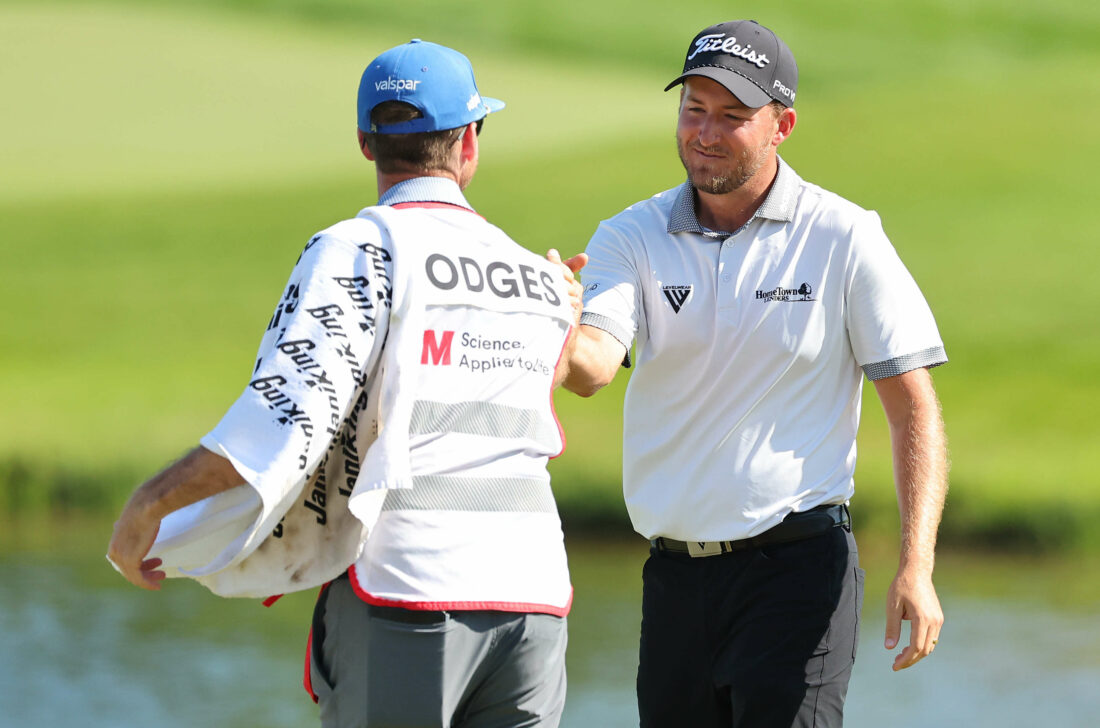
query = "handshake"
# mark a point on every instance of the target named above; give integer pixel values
(569, 269)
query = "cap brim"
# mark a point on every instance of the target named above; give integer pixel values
(492, 104)
(745, 90)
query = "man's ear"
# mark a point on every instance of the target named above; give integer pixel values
(469, 142)
(785, 125)
(363, 144)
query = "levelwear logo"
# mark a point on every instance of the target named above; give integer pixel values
(714, 43)
(802, 293)
(677, 296)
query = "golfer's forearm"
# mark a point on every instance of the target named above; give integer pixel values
(920, 474)
(593, 362)
(920, 463)
(561, 372)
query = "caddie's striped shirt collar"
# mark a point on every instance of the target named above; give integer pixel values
(425, 189)
(778, 205)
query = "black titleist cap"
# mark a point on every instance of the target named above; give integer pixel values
(745, 57)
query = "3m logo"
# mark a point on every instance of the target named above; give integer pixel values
(435, 351)
(677, 296)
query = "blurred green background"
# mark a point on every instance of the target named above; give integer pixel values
(162, 164)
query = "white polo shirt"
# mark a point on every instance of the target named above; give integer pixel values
(751, 350)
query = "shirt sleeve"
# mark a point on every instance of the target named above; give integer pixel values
(314, 359)
(890, 325)
(612, 299)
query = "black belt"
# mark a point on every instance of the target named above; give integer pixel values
(794, 527)
(408, 616)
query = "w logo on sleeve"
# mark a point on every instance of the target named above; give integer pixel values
(677, 296)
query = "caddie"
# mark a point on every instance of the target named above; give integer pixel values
(393, 438)
(756, 302)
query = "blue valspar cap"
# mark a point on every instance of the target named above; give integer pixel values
(437, 80)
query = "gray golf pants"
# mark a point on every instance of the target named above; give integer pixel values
(387, 668)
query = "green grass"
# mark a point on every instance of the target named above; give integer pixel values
(164, 163)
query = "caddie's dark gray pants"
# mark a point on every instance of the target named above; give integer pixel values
(387, 667)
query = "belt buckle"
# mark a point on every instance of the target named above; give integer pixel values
(699, 549)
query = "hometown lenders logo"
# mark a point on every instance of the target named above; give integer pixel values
(779, 293)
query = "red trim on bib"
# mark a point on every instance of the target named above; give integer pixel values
(521, 607)
(307, 679)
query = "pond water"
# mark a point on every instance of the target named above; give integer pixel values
(82, 648)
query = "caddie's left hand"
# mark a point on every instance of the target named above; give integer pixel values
(912, 597)
(134, 534)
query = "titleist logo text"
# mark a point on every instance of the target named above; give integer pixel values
(714, 43)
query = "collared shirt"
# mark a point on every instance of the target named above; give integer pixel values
(425, 189)
(778, 205)
(750, 352)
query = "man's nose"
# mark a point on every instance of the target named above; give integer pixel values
(708, 132)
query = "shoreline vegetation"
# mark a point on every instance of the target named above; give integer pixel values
(592, 509)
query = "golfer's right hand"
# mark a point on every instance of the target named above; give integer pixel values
(569, 269)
